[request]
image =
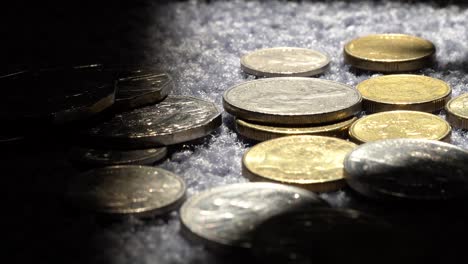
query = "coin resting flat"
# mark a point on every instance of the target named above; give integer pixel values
(457, 111)
(107, 157)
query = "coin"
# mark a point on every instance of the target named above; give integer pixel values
(120, 190)
(311, 162)
(400, 124)
(176, 119)
(284, 61)
(408, 169)
(224, 217)
(457, 111)
(292, 101)
(389, 53)
(265, 132)
(404, 92)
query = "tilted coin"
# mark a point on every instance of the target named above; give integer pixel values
(129, 189)
(389, 53)
(265, 132)
(404, 92)
(224, 217)
(457, 111)
(292, 101)
(408, 169)
(176, 119)
(400, 124)
(311, 162)
(284, 61)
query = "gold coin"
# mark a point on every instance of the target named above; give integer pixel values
(265, 132)
(399, 124)
(389, 53)
(311, 162)
(457, 111)
(404, 92)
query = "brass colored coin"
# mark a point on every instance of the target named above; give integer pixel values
(457, 111)
(389, 53)
(404, 92)
(265, 132)
(312, 162)
(400, 124)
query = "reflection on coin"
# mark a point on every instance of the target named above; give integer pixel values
(285, 61)
(457, 111)
(265, 132)
(292, 101)
(224, 217)
(176, 119)
(400, 124)
(404, 92)
(389, 53)
(408, 168)
(127, 190)
(311, 162)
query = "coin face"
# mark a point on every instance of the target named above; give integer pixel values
(284, 61)
(312, 162)
(404, 92)
(292, 101)
(127, 190)
(457, 111)
(107, 157)
(408, 169)
(225, 216)
(399, 124)
(389, 53)
(176, 119)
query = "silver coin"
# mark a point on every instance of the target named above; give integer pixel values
(176, 119)
(408, 169)
(107, 157)
(224, 217)
(120, 190)
(292, 101)
(285, 62)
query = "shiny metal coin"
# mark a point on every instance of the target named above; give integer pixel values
(292, 101)
(120, 190)
(408, 169)
(107, 157)
(224, 217)
(457, 111)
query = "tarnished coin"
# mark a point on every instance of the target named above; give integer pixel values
(176, 119)
(284, 62)
(127, 189)
(389, 53)
(400, 124)
(292, 101)
(457, 111)
(408, 169)
(224, 217)
(311, 162)
(404, 92)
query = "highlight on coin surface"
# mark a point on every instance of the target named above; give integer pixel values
(457, 111)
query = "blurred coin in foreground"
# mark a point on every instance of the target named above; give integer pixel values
(457, 111)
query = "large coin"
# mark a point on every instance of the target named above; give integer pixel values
(127, 189)
(292, 101)
(409, 169)
(457, 111)
(285, 61)
(224, 217)
(176, 119)
(389, 53)
(311, 162)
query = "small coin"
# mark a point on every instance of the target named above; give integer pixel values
(120, 190)
(284, 62)
(408, 169)
(265, 132)
(389, 53)
(176, 119)
(292, 101)
(404, 92)
(224, 217)
(457, 111)
(399, 124)
(311, 162)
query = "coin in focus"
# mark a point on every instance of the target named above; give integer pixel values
(457, 111)
(292, 101)
(404, 92)
(284, 62)
(389, 53)
(399, 124)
